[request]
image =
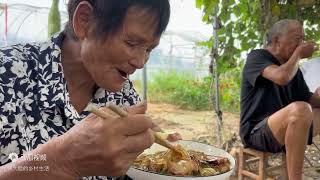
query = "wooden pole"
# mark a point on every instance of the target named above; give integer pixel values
(214, 56)
(145, 83)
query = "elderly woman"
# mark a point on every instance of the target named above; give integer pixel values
(46, 88)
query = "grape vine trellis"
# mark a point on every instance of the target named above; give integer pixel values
(246, 22)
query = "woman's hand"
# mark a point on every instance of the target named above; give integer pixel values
(106, 147)
(141, 108)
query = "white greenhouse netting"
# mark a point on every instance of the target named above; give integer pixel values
(24, 23)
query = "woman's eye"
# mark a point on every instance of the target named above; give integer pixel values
(131, 44)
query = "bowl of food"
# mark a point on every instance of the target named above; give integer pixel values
(196, 161)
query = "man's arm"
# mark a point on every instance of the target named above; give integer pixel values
(315, 99)
(57, 169)
(284, 73)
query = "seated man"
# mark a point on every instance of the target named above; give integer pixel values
(276, 105)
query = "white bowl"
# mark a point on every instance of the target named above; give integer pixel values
(137, 174)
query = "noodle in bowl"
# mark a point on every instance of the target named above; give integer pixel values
(138, 174)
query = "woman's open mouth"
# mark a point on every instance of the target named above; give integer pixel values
(124, 74)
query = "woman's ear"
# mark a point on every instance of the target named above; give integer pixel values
(81, 19)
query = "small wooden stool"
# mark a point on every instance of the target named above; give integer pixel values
(262, 158)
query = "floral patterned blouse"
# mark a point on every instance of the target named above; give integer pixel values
(34, 102)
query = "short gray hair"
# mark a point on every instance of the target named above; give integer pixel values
(280, 28)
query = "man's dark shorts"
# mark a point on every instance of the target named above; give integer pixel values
(262, 139)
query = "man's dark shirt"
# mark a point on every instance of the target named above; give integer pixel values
(261, 97)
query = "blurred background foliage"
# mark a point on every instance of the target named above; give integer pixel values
(245, 26)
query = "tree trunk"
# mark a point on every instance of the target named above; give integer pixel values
(267, 19)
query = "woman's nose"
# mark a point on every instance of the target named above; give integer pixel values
(139, 61)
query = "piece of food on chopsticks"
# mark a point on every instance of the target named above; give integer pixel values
(186, 163)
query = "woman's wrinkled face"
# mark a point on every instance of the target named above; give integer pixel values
(111, 60)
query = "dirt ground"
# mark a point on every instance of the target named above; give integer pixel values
(192, 125)
(201, 126)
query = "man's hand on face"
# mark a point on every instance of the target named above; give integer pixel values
(305, 50)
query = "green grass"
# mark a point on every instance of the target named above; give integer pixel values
(184, 90)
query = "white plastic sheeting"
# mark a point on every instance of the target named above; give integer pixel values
(311, 73)
(26, 23)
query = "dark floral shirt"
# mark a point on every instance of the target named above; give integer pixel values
(34, 101)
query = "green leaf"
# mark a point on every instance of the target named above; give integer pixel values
(276, 11)
(54, 19)
(199, 3)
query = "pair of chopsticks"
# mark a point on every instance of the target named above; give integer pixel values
(122, 113)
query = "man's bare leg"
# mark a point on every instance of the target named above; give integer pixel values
(290, 126)
(316, 121)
